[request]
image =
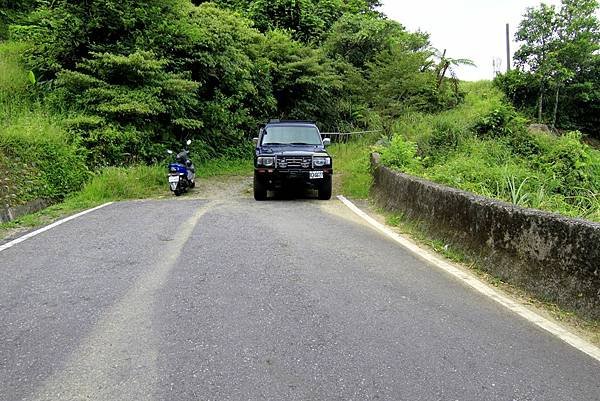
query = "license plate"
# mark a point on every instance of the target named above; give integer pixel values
(174, 178)
(315, 175)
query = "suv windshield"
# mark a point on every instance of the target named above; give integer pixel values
(291, 135)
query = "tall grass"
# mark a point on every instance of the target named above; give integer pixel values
(225, 167)
(352, 166)
(22, 115)
(118, 183)
(15, 86)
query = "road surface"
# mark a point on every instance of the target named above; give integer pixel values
(236, 300)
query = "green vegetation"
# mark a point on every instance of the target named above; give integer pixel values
(38, 159)
(118, 183)
(352, 167)
(140, 182)
(91, 86)
(557, 79)
(89, 89)
(124, 183)
(308, 20)
(483, 146)
(225, 167)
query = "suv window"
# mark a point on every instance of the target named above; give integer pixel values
(291, 135)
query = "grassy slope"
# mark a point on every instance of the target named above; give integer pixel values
(486, 166)
(38, 159)
(351, 165)
(542, 171)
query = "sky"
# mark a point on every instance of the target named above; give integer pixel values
(473, 29)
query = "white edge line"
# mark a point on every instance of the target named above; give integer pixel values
(481, 287)
(49, 227)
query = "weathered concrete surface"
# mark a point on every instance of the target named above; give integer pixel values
(8, 213)
(554, 257)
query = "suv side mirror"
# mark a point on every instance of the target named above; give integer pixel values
(327, 141)
(255, 141)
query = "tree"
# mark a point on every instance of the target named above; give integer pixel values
(138, 73)
(131, 89)
(578, 42)
(360, 38)
(538, 33)
(559, 51)
(65, 32)
(223, 53)
(305, 83)
(447, 64)
(399, 81)
(307, 20)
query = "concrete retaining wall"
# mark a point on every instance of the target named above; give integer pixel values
(10, 213)
(554, 257)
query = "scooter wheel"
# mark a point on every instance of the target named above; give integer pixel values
(178, 192)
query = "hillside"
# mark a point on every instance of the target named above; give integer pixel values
(86, 89)
(484, 146)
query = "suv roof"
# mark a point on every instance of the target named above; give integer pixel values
(291, 122)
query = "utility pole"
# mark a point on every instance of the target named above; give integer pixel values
(508, 63)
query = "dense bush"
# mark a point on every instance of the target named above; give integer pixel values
(13, 11)
(359, 38)
(401, 154)
(305, 82)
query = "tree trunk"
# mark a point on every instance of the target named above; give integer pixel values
(442, 62)
(541, 104)
(443, 74)
(555, 113)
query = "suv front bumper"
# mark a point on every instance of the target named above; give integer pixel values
(278, 178)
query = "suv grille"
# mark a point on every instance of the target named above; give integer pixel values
(294, 162)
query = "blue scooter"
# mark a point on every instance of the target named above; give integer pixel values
(182, 173)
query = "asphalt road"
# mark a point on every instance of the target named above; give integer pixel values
(238, 300)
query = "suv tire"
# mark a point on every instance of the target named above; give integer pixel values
(325, 190)
(260, 192)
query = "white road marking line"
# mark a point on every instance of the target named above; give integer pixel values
(480, 286)
(49, 227)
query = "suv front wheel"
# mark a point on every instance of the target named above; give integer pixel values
(325, 190)
(260, 192)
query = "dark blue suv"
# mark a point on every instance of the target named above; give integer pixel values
(291, 154)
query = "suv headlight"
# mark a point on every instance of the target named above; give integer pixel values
(266, 161)
(321, 161)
